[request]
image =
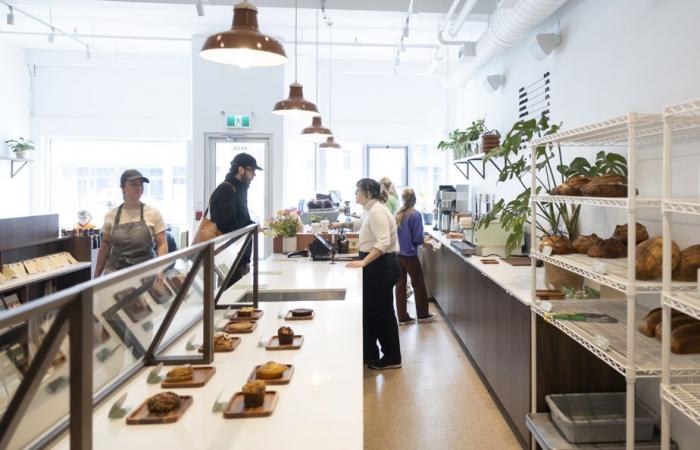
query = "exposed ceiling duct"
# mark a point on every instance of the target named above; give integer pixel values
(508, 27)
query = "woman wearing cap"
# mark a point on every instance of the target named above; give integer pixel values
(379, 246)
(132, 230)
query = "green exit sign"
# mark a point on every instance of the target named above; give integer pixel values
(237, 121)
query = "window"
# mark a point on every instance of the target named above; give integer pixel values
(388, 161)
(300, 172)
(339, 169)
(85, 175)
(426, 172)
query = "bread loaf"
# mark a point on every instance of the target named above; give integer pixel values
(608, 248)
(677, 321)
(648, 325)
(686, 339)
(606, 186)
(687, 269)
(649, 255)
(560, 245)
(583, 243)
(621, 233)
(572, 186)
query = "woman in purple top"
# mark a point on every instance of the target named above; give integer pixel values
(410, 233)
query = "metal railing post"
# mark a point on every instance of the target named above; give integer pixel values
(81, 372)
(208, 315)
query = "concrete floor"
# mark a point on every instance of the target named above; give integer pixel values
(435, 401)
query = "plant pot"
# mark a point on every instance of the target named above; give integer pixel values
(289, 244)
(21, 154)
(556, 277)
(489, 142)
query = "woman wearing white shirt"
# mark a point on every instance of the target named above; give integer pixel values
(379, 246)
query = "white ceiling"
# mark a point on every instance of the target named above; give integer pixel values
(166, 28)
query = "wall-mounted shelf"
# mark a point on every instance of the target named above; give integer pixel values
(20, 162)
(476, 162)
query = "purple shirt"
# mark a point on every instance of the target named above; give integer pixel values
(410, 233)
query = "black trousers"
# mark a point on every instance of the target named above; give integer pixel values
(378, 318)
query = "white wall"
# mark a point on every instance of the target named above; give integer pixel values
(615, 57)
(14, 122)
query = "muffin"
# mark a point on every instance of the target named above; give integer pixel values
(238, 327)
(270, 371)
(163, 402)
(178, 374)
(302, 312)
(253, 393)
(285, 335)
(246, 311)
(222, 342)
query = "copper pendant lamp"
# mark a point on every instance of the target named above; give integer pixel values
(316, 133)
(244, 45)
(330, 141)
(295, 105)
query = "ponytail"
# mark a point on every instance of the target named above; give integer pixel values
(409, 203)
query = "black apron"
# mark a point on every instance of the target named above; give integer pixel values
(132, 243)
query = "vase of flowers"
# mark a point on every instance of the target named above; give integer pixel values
(285, 225)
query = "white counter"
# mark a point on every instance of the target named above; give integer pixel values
(513, 279)
(321, 407)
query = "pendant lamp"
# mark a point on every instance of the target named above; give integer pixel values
(330, 141)
(316, 133)
(295, 105)
(244, 45)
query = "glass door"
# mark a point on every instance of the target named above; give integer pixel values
(221, 150)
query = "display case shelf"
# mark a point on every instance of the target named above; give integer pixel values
(691, 207)
(685, 398)
(39, 277)
(615, 276)
(608, 202)
(686, 302)
(647, 358)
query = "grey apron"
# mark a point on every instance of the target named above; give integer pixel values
(132, 243)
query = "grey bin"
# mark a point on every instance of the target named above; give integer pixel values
(598, 417)
(548, 436)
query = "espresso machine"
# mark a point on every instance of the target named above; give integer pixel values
(445, 202)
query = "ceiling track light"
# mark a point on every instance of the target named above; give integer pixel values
(200, 7)
(11, 16)
(244, 45)
(295, 104)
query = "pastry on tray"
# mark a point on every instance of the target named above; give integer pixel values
(237, 327)
(606, 186)
(222, 341)
(560, 245)
(572, 186)
(270, 371)
(583, 243)
(285, 335)
(621, 233)
(163, 402)
(302, 312)
(649, 255)
(608, 248)
(179, 374)
(687, 269)
(253, 393)
(246, 311)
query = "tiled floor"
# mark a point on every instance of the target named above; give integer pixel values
(435, 401)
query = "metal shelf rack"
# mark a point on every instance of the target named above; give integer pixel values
(681, 122)
(608, 202)
(633, 131)
(21, 162)
(473, 162)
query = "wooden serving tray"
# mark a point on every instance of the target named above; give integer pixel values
(284, 379)
(274, 343)
(289, 316)
(236, 343)
(258, 313)
(255, 325)
(489, 261)
(200, 376)
(236, 408)
(548, 294)
(142, 416)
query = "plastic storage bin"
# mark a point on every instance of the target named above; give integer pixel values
(598, 417)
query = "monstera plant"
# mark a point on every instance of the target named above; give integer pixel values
(552, 218)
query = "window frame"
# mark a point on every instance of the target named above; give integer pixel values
(366, 160)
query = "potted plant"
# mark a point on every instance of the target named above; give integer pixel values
(490, 140)
(464, 143)
(20, 147)
(285, 225)
(552, 218)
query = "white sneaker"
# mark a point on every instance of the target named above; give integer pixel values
(430, 318)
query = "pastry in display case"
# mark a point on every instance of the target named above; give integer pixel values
(254, 393)
(649, 256)
(246, 311)
(608, 248)
(158, 290)
(164, 407)
(179, 374)
(621, 233)
(239, 327)
(270, 371)
(285, 335)
(133, 303)
(583, 243)
(560, 245)
(687, 269)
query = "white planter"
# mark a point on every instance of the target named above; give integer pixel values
(289, 244)
(22, 154)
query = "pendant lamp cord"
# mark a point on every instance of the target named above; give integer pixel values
(296, 52)
(330, 77)
(317, 56)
